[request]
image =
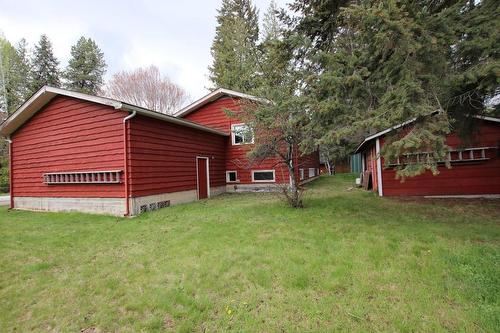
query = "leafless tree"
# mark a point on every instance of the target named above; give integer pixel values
(148, 88)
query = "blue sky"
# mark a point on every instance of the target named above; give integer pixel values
(174, 35)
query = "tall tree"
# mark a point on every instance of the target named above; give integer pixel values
(23, 69)
(272, 27)
(379, 63)
(86, 68)
(44, 65)
(234, 49)
(148, 88)
(13, 77)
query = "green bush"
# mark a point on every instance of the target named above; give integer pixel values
(4, 175)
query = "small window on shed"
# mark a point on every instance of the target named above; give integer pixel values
(231, 176)
(312, 172)
(263, 176)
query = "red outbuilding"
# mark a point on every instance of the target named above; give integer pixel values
(475, 165)
(76, 152)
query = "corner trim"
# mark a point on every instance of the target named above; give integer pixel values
(379, 168)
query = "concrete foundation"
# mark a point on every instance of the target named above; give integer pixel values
(110, 206)
(153, 202)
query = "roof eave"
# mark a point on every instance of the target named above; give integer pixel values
(214, 95)
(46, 94)
(171, 119)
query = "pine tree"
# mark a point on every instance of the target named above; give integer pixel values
(272, 29)
(234, 49)
(44, 65)
(380, 63)
(86, 67)
(23, 69)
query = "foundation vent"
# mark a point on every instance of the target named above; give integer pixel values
(154, 206)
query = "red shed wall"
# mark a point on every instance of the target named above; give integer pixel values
(68, 135)
(213, 115)
(162, 157)
(309, 161)
(464, 178)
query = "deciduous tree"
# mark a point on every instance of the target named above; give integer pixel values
(148, 88)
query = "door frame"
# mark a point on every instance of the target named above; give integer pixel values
(197, 177)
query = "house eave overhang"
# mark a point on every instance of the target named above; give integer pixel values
(213, 96)
(381, 133)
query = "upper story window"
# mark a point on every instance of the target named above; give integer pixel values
(241, 134)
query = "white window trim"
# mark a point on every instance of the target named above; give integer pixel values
(227, 176)
(264, 181)
(233, 140)
(302, 174)
(313, 172)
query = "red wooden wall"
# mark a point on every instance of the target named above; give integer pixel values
(309, 161)
(482, 177)
(68, 135)
(213, 115)
(162, 156)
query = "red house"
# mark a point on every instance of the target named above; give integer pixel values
(475, 167)
(75, 152)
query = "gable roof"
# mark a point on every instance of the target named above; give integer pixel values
(379, 134)
(214, 95)
(46, 94)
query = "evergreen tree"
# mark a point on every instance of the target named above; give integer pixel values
(86, 67)
(380, 63)
(12, 78)
(44, 65)
(272, 29)
(23, 70)
(234, 49)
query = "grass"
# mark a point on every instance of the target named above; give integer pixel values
(349, 261)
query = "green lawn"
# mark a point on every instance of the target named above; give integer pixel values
(349, 261)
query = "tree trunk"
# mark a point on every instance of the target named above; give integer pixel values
(294, 194)
(329, 167)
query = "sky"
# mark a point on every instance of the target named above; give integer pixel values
(176, 36)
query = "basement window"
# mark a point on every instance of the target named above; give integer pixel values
(263, 176)
(241, 134)
(231, 176)
(83, 177)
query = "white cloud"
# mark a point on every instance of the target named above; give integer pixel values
(175, 36)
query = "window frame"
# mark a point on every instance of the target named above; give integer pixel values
(232, 181)
(302, 174)
(266, 180)
(233, 136)
(313, 172)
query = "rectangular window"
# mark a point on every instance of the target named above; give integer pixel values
(231, 176)
(241, 134)
(301, 174)
(263, 176)
(311, 172)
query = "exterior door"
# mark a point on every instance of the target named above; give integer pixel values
(202, 177)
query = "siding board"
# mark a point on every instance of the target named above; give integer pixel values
(68, 135)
